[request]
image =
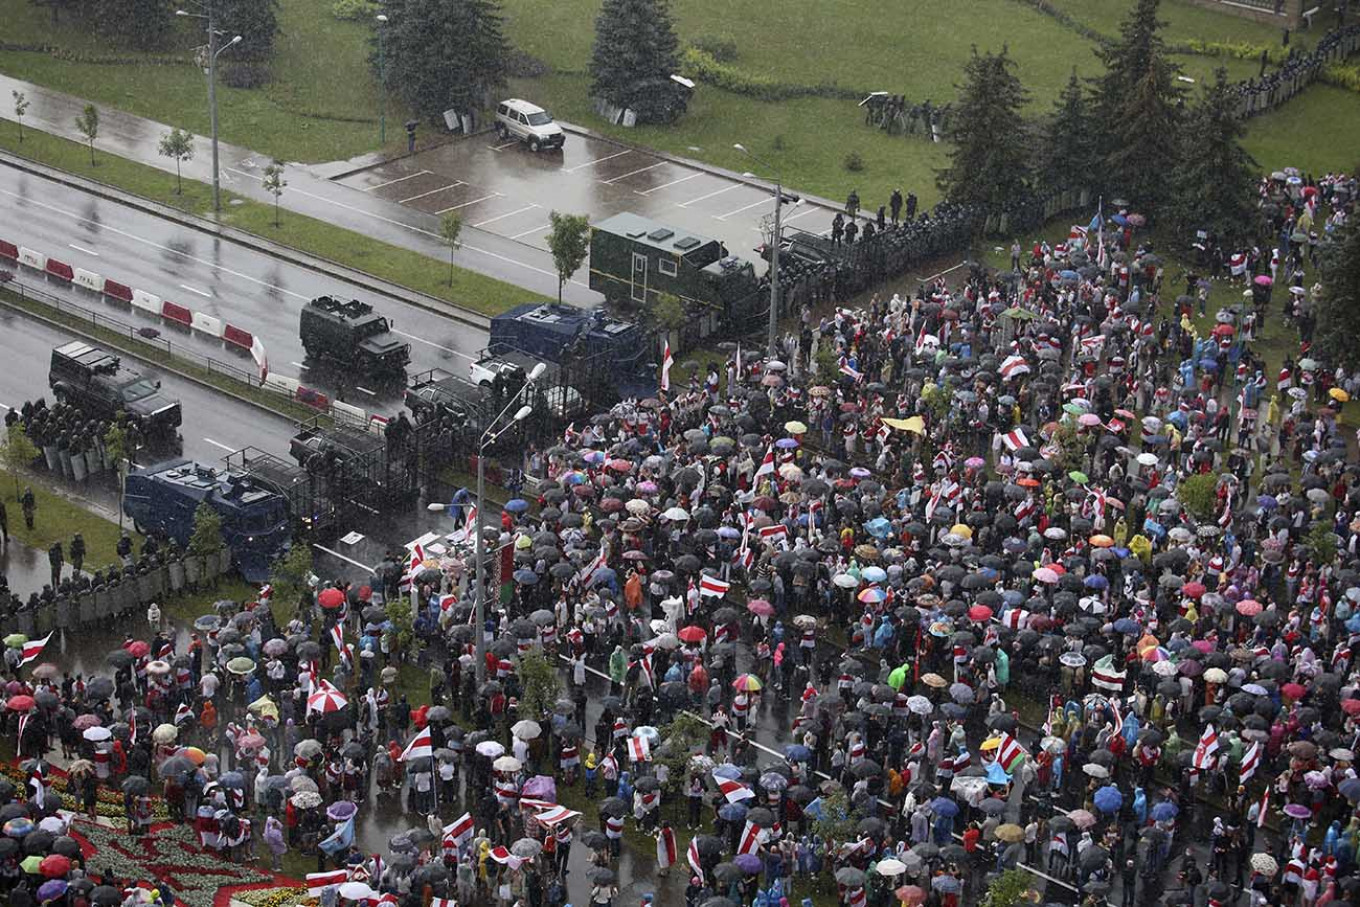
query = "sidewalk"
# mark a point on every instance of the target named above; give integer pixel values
(241, 171)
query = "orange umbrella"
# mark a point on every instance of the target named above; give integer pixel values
(1102, 541)
(193, 754)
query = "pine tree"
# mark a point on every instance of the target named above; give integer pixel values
(1137, 106)
(445, 54)
(635, 55)
(989, 164)
(143, 24)
(254, 20)
(1216, 180)
(1338, 308)
(1068, 153)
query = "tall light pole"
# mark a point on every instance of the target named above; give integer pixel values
(776, 238)
(213, 52)
(382, 81)
(489, 437)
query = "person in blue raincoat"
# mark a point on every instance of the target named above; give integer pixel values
(1140, 807)
(883, 635)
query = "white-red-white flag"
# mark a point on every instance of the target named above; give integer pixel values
(713, 587)
(418, 747)
(33, 648)
(766, 467)
(667, 360)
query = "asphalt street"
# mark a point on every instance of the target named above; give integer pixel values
(502, 187)
(214, 424)
(252, 290)
(309, 191)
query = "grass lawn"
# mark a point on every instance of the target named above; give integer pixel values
(57, 518)
(469, 289)
(307, 114)
(1184, 22)
(1319, 131)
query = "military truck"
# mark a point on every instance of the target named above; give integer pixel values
(99, 384)
(586, 350)
(162, 498)
(351, 334)
(634, 258)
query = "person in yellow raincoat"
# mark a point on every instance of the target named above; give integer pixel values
(1141, 547)
(1121, 532)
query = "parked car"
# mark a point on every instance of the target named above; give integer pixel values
(529, 123)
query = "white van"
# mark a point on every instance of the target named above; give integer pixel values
(529, 123)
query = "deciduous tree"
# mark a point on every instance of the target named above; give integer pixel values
(569, 243)
(87, 124)
(177, 144)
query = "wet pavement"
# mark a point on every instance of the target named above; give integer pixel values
(309, 193)
(504, 188)
(247, 288)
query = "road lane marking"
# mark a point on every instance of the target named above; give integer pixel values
(453, 185)
(435, 345)
(185, 286)
(507, 214)
(537, 229)
(155, 245)
(633, 173)
(396, 223)
(83, 249)
(465, 204)
(348, 560)
(813, 210)
(763, 201)
(667, 185)
(359, 387)
(397, 180)
(597, 160)
(710, 195)
(221, 445)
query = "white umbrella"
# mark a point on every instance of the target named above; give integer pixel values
(890, 867)
(356, 891)
(526, 729)
(919, 705)
(845, 581)
(676, 514)
(97, 734)
(507, 764)
(638, 507)
(490, 749)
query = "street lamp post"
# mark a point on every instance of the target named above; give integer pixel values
(213, 52)
(382, 82)
(489, 437)
(776, 238)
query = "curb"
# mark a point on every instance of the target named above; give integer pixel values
(361, 279)
(141, 357)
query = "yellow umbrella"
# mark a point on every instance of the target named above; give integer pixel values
(960, 529)
(915, 425)
(1010, 833)
(795, 427)
(1339, 395)
(265, 708)
(990, 744)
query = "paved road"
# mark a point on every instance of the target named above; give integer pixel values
(204, 273)
(214, 424)
(504, 188)
(308, 192)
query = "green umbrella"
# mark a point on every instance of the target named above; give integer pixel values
(240, 665)
(1078, 476)
(1074, 409)
(16, 640)
(30, 864)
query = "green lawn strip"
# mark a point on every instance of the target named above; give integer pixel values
(58, 517)
(305, 114)
(1184, 22)
(1318, 131)
(151, 353)
(404, 267)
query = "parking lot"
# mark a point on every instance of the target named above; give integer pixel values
(504, 188)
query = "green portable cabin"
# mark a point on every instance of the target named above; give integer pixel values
(634, 258)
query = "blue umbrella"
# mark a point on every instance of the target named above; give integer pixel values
(1127, 625)
(1095, 581)
(1108, 799)
(727, 771)
(879, 528)
(516, 505)
(943, 806)
(1165, 811)
(1120, 219)
(1266, 502)
(1353, 624)
(526, 576)
(786, 443)
(732, 812)
(1350, 789)
(796, 752)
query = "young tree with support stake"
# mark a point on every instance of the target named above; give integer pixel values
(569, 243)
(177, 144)
(451, 231)
(87, 124)
(21, 103)
(274, 184)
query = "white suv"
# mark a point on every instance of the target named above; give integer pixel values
(529, 123)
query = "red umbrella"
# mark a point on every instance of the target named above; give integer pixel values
(1350, 706)
(138, 648)
(697, 635)
(1192, 590)
(1292, 691)
(54, 866)
(331, 598)
(979, 613)
(20, 703)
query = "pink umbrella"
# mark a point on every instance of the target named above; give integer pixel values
(760, 606)
(1046, 575)
(1249, 607)
(1263, 280)
(1088, 419)
(1202, 645)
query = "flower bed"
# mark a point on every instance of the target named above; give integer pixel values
(108, 803)
(270, 896)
